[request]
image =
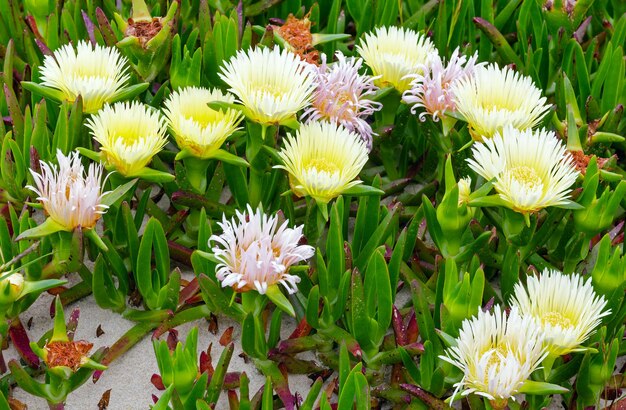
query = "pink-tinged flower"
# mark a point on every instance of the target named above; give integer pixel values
(342, 96)
(68, 196)
(432, 91)
(255, 253)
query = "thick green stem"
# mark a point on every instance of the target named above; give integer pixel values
(196, 173)
(124, 343)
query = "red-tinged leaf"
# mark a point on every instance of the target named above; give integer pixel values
(72, 323)
(412, 330)
(20, 340)
(206, 360)
(213, 326)
(227, 336)
(488, 305)
(398, 327)
(303, 329)
(189, 291)
(172, 339)
(157, 381)
(430, 400)
(15, 404)
(103, 404)
(233, 399)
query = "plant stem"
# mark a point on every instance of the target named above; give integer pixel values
(124, 344)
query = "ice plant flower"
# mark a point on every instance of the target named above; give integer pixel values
(565, 306)
(272, 85)
(96, 73)
(323, 160)
(496, 354)
(530, 170)
(198, 129)
(432, 89)
(130, 134)
(394, 54)
(255, 253)
(494, 97)
(342, 96)
(70, 197)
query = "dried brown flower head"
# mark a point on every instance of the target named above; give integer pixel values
(70, 354)
(297, 32)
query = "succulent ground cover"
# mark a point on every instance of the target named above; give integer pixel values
(433, 191)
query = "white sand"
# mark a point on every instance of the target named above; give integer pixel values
(129, 375)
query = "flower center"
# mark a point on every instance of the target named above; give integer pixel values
(526, 176)
(556, 319)
(323, 165)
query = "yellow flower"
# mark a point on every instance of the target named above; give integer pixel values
(530, 169)
(393, 54)
(322, 160)
(273, 85)
(565, 306)
(96, 73)
(198, 129)
(492, 98)
(130, 134)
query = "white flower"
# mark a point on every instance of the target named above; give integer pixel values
(130, 134)
(342, 96)
(565, 306)
(68, 196)
(496, 354)
(395, 53)
(323, 160)
(96, 73)
(432, 90)
(273, 85)
(530, 169)
(255, 253)
(493, 98)
(198, 129)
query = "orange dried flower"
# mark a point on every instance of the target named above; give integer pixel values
(67, 353)
(297, 32)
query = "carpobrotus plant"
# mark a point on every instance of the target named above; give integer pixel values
(97, 74)
(394, 54)
(343, 96)
(272, 85)
(129, 134)
(493, 98)
(414, 203)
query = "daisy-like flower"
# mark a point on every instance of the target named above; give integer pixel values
(494, 97)
(96, 73)
(272, 85)
(394, 54)
(342, 96)
(70, 197)
(322, 160)
(530, 169)
(496, 354)
(565, 306)
(198, 129)
(255, 253)
(432, 90)
(130, 134)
